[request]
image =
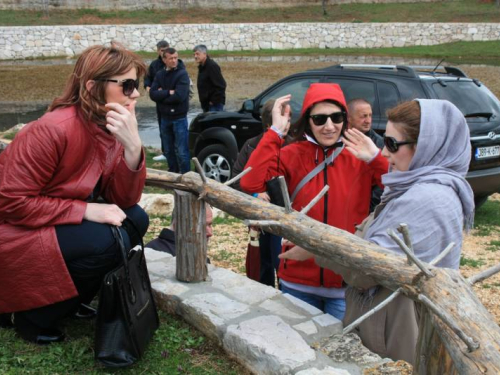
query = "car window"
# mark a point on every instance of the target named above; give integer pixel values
(358, 89)
(297, 88)
(468, 97)
(388, 97)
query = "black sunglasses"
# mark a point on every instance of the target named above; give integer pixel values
(393, 146)
(320, 119)
(128, 85)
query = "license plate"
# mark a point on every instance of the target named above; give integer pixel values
(487, 152)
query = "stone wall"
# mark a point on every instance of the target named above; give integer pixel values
(175, 4)
(31, 42)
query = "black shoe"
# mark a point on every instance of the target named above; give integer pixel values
(32, 333)
(6, 321)
(85, 312)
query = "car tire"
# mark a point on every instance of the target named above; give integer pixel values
(479, 201)
(216, 163)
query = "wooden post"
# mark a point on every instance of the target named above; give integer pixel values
(190, 237)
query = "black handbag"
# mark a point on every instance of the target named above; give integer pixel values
(126, 317)
(273, 187)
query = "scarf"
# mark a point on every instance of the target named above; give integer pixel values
(420, 196)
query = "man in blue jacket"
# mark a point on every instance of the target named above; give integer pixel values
(155, 66)
(170, 91)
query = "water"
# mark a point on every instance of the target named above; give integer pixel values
(148, 126)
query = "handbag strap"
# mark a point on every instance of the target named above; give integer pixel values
(316, 170)
(124, 253)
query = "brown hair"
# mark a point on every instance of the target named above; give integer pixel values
(406, 117)
(96, 62)
(302, 125)
(168, 51)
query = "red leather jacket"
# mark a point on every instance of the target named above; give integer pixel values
(46, 174)
(346, 204)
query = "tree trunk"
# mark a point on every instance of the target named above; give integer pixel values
(190, 238)
(447, 289)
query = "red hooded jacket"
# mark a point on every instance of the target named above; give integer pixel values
(347, 202)
(46, 174)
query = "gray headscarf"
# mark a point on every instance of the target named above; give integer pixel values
(421, 196)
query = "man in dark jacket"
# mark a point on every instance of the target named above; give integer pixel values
(211, 83)
(155, 66)
(360, 117)
(170, 91)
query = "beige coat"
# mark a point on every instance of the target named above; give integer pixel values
(391, 332)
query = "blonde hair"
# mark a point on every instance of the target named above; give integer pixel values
(96, 62)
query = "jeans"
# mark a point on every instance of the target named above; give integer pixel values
(174, 134)
(270, 248)
(216, 107)
(332, 306)
(90, 252)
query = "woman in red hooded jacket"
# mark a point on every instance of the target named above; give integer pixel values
(56, 244)
(350, 170)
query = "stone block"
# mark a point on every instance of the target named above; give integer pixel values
(309, 328)
(162, 268)
(209, 312)
(327, 320)
(240, 287)
(303, 305)
(326, 371)
(348, 348)
(269, 345)
(152, 254)
(157, 204)
(278, 308)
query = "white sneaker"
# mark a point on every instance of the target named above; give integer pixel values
(159, 158)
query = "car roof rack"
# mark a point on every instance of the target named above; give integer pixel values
(399, 69)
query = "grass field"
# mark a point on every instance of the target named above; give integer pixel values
(442, 11)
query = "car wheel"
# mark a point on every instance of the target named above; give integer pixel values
(215, 161)
(479, 201)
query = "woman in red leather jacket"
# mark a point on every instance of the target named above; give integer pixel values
(318, 134)
(55, 239)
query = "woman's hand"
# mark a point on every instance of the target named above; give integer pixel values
(281, 114)
(264, 196)
(361, 146)
(122, 123)
(296, 253)
(104, 213)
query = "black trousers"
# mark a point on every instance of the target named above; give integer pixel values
(90, 251)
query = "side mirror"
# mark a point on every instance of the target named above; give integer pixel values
(248, 106)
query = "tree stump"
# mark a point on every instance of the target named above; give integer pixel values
(190, 237)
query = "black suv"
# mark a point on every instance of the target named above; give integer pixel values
(216, 137)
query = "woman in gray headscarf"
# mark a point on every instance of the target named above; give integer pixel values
(428, 147)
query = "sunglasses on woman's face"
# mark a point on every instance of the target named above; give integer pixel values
(393, 146)
(128, 85)
(320, 119)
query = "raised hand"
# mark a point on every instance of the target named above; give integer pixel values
(281, 114)
(296, 253)
(122, 123)
(361, 146)
(104, 213)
